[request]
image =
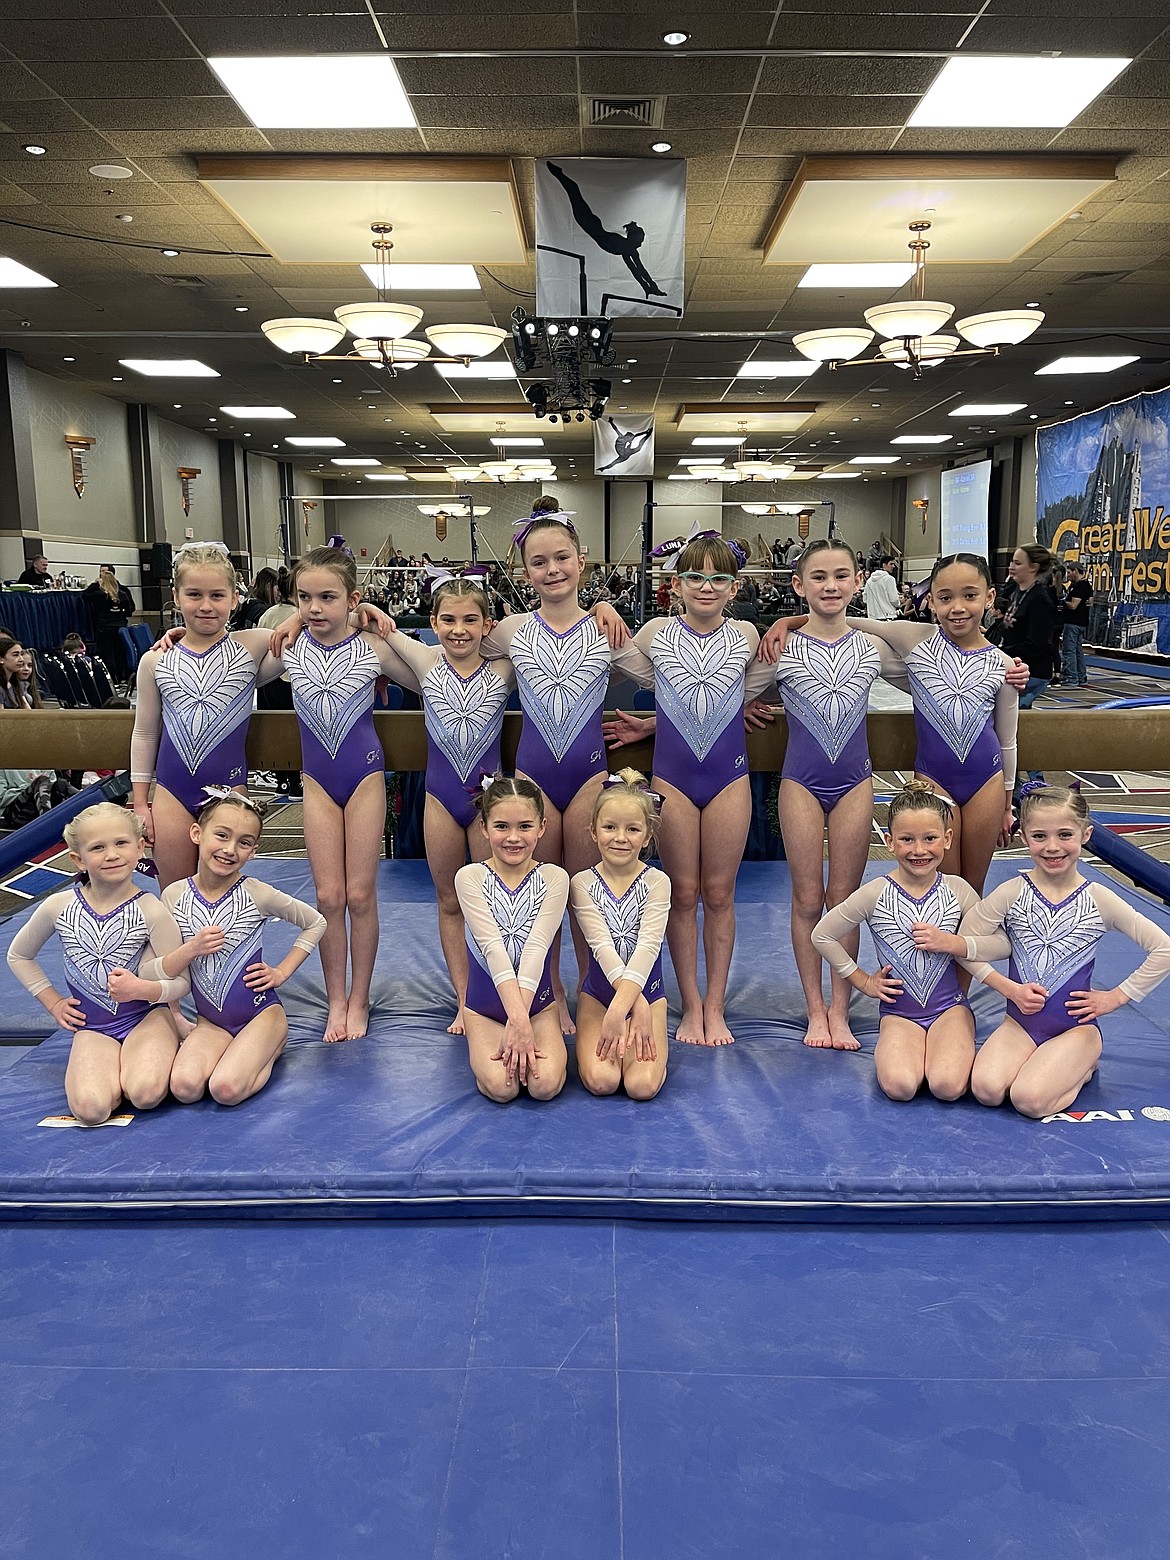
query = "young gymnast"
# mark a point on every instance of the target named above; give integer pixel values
(1049, 1044)
(622, 907)
(113, 937)
(926, 1029)
(513, 907)
(965, 694)
(241, 1028)
(463, 699)
(194, 702)
(562, 656)
(697, 663)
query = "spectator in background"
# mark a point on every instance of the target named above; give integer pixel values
(37, 574)
(18, 678)
(1030, 617)
(73, 644)
(1074, 611)
(882, 598)
(111, 606)
(27, 793)
(264, 593)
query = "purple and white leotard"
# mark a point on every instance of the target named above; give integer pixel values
(207, 698)
(510, 933)
(464, 717)
(824, 687)
(562, 678)
(624, 933)
(955, 693)
(333, 688)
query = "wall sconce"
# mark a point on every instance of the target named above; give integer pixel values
(79, 448)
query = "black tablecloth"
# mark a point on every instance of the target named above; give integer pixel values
(40, 619)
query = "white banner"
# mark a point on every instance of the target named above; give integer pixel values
(623, 446)
(610, 236)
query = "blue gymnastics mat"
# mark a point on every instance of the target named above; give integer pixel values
(765, 1129)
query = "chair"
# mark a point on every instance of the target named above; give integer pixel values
(73, 678)
(143, 637)
(103, 682)
(129, 649)
(58, 684)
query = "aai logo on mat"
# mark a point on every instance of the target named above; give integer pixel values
(1150, 1112)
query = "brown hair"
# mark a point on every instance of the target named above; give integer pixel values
(1053, 796)
(631, 789)
(10, 694)
(504, 786)
(331, 558)
(824, 544)
(714, 550)
(917, 796)
(1040, 558)
(458, 586)
(971, 560)
(546, 505)
(239, 799)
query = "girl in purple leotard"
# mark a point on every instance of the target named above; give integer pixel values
(1049, 1044)
(463, 699)
(926, 1030)
(241, 1028)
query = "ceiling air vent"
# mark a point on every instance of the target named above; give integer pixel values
(609, 113)
(182, 281)
(1096, 278)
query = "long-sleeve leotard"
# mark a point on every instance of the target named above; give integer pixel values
(624, 933)
(510, 932)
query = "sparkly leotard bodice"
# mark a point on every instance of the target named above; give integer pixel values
(825, 691)
(206, 698)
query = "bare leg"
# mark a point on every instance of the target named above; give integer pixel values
(325, 841)
(551, 848)
(950, 1053)
(365, 823)
(578, 851)
(549, 1079)
(197, 1059)
(1056, 1072)
(802, 824)
(982, 818)
(678, 848)
(644, 1079)
(148, 1054)
(93, 1081)
(483, 1041)
(600, 1075)
(998, 1062)
(900, 1057)
(850, 828)
(446, 843)
(246, 1065)
(723, 832)
(175, 854)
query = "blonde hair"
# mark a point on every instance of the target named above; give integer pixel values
(632, 788)
(1053, 796)
(331, 558)
(918, 796)
(203, 556)
(109, 812)
(458, 586)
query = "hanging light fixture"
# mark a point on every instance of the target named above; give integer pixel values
(912, 327)
(381, 328)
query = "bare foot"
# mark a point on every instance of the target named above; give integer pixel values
(357, 1019)
(335, 1027)
(690, 1030)
(843, 1038)
(182, 1023)
(459, 1025)
(817, 1034)
(715, 1030)
(568, 1027)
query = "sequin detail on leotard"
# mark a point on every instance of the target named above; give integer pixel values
(1053, 946)
(217, 979)
(464, 716)
(826, 686)
(623, 922)
(954, 694)
(929, 980)
(206, 698)
(515, 914)
(92, 946)
(698, 681)
(562, 678)
(333, 686)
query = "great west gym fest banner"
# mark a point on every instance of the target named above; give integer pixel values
(1103, 498)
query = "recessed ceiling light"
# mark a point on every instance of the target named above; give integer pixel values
(660, 146)
(259, 413)
(116, 379)
(533, 444)
(776, 368)
(314, 442)
(987, 409)
(714, 439)
(1025, 90)
(387, 476)
(700, 460)
(837, 476)
(874, 460)
(69, 360)
(170, 368)
(485, 370)
(354, 460)
(923, 438)
(213, 419)
(1087, 365)
(170, 253)
(109, 170)
(318, 92)
(176, 406)
(876, 274)
(681, 476)
(241, 308)
(36, 151)
(675, 38)
(435, 278)
(13, 274)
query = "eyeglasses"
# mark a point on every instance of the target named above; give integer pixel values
(719, 581)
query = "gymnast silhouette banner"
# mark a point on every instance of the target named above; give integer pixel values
(610, 236)
(623, 446)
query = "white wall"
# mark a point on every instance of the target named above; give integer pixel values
(264, 511)
(186, 447)
(921, 549)
(862, 509)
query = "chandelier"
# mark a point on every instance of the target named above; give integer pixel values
(913, 327)
(754, 466)
(501, 469)
(381, 330)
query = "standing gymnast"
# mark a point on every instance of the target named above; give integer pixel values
(697, 663)
(124, 1042)
(241, 1028)
(965, 707)
(622, 906)
(926, 1029)
(1049, 1044)
(513, 907)
(563, 663)
(194, 703)
(463, 699)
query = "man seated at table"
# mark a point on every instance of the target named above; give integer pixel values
(37, 574)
